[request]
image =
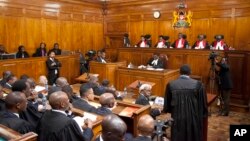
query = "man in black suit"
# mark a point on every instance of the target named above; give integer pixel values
(5, 75)
(55, 125)
(56, 49)
(225, 83)
(2, 102)
(87, 94)
(143, 99)
(15, 102)
(102, 57)
(10, 80)
(107, 101)
(41, 51)
(113, 129)
(155, 61)
(145, 128)
(53, 66)
(31, 114)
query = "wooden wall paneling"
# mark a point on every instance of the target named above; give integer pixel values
(98, 35)
(221, 26)
(11, 66)
(165, 28)
(41, 68)
(2, 30)
(136, 30)
(236, 62)
(241, 34)
(136, 58)
(65, 35)
(13, 33)
(32, 35)
(77, 36)
(25, 67)
(151, 27)
(51, 33)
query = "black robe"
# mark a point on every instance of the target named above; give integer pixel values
(2, 105)
(55, 126)
(57, 51)
(142, 138)
(186, 100)
(32, 115)
(12, 121)
(103, 111)
(84, 105)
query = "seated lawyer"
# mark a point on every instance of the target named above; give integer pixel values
(15, 102)
(2, 102)
(56, 126)
(21, 52)
(143, 99)
(107, 102)
(87, 94)
(102, 57)
(113, 129)
(201, 43)
(145, 128)
(10, 80)
(155, 61)
(2, 49)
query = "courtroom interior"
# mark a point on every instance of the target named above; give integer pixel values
(124, 70)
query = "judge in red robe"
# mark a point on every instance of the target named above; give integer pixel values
(219, 43)
(181, 42)
(201, 43)
(143, 43)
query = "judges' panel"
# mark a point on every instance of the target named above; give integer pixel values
(35, 67)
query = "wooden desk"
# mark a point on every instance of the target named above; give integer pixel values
(36, 66)
(126, 76)
(132, 120)
(10, 134)
(97, 128)
(106, 70)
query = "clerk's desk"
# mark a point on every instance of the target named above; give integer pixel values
(131, 119)
(126, 76)
(105, 70)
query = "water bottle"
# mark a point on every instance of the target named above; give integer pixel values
(44, 101)
(46, 87)
(125, 92)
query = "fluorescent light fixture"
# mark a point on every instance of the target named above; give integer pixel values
(51, 10)
(51, 5)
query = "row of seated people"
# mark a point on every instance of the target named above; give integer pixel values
(40, 51)
(181, 42)
(23, 110)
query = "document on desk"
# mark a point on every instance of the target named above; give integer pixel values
(96, 105)
(128, 111)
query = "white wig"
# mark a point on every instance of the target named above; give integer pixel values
(145, 86)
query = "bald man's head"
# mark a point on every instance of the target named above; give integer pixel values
(146, 125)
(107, 100)
(59, 101)
(61, 82)
(113, 128)
(16, 101)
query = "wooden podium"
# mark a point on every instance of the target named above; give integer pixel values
(126, 76)
(106, 70)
